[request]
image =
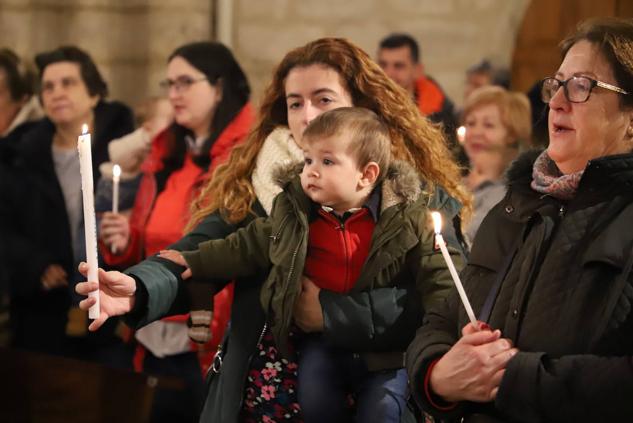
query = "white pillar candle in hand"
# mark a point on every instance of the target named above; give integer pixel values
(439, 239)
(116, 176)
(84, 146)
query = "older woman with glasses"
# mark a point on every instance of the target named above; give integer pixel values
(210, 94)
(551, 268)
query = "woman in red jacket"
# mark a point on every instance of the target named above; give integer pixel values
(209, 93)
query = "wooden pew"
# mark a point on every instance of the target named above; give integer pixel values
(38, 388)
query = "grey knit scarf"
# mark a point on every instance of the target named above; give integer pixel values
(548, 179)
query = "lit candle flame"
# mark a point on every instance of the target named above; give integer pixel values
(437, 221)
(461, 134)
(116, 170)
(84, 129)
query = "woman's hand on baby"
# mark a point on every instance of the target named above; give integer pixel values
(173, 255)
(176, 257)
(308, 314)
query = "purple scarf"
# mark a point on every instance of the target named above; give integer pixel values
(548, 179)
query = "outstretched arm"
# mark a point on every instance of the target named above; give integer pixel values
(242, 253)
(161, 278)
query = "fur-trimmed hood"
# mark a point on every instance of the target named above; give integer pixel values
(401, 183)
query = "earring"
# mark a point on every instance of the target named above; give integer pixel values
(629, 131)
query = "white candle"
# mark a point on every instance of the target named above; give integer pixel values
(437, 223)
(90, 226)
(116, 176)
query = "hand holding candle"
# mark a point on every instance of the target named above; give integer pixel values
(437, 223)
(84, 145)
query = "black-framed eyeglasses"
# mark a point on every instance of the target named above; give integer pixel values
(577, 89)
(181, 83)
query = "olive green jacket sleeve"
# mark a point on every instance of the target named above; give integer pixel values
(161, 278)
(242, 253)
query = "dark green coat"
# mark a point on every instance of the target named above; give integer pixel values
(374, 319)
(402, 253)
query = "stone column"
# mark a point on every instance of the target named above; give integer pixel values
(129, 40)
(453, 34)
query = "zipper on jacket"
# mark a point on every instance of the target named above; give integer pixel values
(261, 335)
(346, 280)
(561, 211)
(292, 263)
(274, 238)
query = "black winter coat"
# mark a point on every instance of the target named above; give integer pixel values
(565, 301)
(35, 221)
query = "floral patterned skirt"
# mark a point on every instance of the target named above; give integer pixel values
(271, 386)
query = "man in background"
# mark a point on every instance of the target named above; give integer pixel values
(485, 73)
(399, 56)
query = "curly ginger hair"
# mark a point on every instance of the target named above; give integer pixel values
(413, 138)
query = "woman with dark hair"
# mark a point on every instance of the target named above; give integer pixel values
(551, 268)
(249, 380)
(210, 97)
(45, 219)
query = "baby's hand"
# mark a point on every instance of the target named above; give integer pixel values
(177, 258)
(174, 256)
